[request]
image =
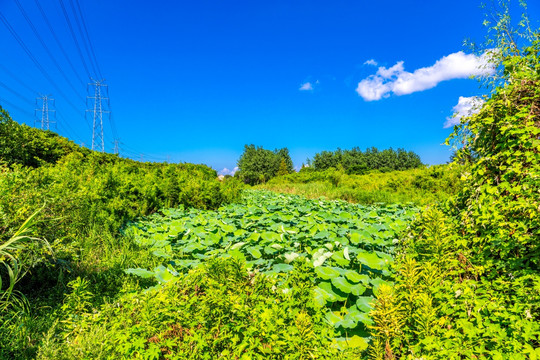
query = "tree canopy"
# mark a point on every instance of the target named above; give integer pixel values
(356, 161)
(258, 165)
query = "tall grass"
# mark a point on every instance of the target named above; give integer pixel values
(420, 186)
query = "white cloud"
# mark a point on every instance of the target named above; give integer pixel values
(466, 106)
(371, 62)
(226, 171)
(400, 82)
(306, 86)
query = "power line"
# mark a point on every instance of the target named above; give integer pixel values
(65, 124)
(88, 37)
(78, 23)
(58, 42)
(25, 112)
(22, 83)
(34, 60)
(74, 37)
(36, 33)
(16, 93)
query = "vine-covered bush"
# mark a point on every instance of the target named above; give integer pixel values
(468, 281)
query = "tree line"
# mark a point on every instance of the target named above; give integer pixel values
(356, 161)
(258, 165)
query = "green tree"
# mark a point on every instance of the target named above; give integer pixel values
(282, 168)
(258, 165)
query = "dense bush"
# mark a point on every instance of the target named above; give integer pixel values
(24, 145)
(468, 281)
(217, 311)
(82, 199)
(356, 161)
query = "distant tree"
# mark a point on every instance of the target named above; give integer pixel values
(258, 165)
(355, 161)
(282, 168)
(326, 159)
(285, 157)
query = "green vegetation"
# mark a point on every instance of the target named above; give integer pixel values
(420, 186)
(325, 261)
(94, 266)
(468, 274)
(355, 161)
(83, 198)
(258, 165)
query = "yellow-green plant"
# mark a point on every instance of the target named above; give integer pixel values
(15, 253)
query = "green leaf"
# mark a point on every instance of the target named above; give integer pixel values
(321, 296)
(360, 237)
(282, 267)
(326, 273)
(355, 277)
(140, 272)
(327, 286)
(371, 260)
(342, 284)
(270, 236)
(364, 303)
(254, 251)
(339, 259)
(333, 319)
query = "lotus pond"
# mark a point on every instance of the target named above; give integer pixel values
(350, 246)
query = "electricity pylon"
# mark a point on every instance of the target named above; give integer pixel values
(98, 109)
(45, 110)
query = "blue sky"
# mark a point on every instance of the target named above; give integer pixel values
(195, 81)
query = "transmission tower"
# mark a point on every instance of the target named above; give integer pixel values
(45, 110)
(98, 109)
(116, 146)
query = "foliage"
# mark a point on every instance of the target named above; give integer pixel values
(346, 248)
(257, 165)
(355, 161)
(17, 255)
(85, 197)
(225, 313)
(468, 282)
(421, 186)
(24, 145)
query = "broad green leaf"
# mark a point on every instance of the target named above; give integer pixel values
(326, 273)
(371, 260)
(339, 259)
(238, 245)
(365, 303)
(161, 253)
(282, 267)
(354, 342)
(333, 319)
(254, 251)
(342, 284)
(140, 272)
(360, 237)
(321, 296)
(355, 277)
(270, 236)
(327, 286)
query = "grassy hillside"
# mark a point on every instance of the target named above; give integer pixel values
(80, 199)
